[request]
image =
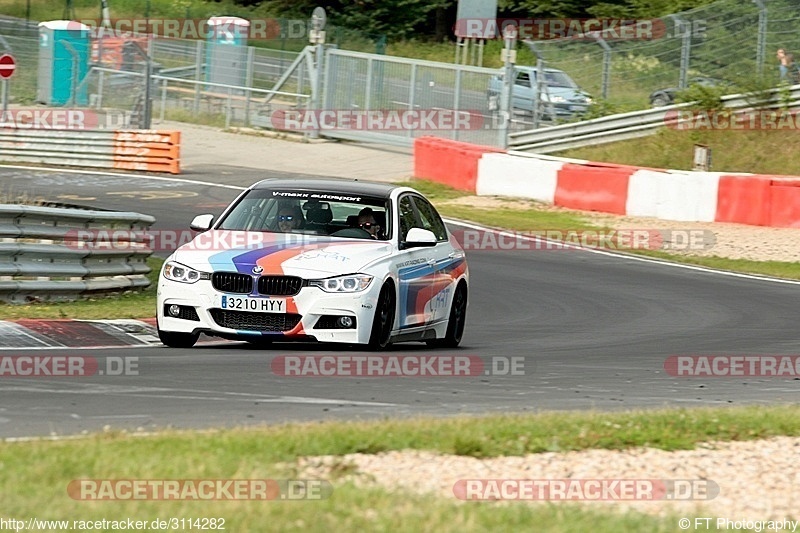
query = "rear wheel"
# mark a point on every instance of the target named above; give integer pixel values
(384, 319)
(178, 340)
(456, 321)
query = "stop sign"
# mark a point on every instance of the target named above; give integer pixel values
(7, 66)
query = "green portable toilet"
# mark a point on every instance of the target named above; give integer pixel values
(226, 51)
(64, 48)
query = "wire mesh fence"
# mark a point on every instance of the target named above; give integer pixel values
(729, 41)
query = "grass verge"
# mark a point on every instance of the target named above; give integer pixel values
(36, 474)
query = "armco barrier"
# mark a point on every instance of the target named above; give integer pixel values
(667, 194)
(46, 256)
(452, 163)
(150, 150)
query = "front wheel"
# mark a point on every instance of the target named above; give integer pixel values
(383, 322)
(456, 321)
(178, 340)
(660, 101)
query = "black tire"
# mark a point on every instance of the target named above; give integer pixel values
(383, 321)
(660, 100)
(456, 321)
(178, 340)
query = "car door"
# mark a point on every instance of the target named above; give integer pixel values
(415, 271)
(446, 259)
(523, 91)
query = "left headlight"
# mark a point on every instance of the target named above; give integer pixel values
(349, 283)
(177, 272)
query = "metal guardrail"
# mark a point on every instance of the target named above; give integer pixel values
(635, 124)
(49, 253)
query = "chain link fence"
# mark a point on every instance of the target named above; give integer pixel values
(732, 42)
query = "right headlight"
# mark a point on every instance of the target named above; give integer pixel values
(349, 283)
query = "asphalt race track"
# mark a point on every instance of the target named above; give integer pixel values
(594, 331)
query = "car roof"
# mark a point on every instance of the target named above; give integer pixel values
(332, 185)
(546, 69)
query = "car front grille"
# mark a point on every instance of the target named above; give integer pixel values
(279, 285)
(243, 320)
(232, 282)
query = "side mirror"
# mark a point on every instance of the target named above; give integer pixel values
(202, 222)
(418, 237)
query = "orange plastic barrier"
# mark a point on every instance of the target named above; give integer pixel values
(785, 203)
(594, 188)
(744, 199)
(452, 163)
(149, 150)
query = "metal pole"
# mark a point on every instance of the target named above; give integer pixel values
(100, 82)
(163, 99)
(412, 90)
(537, 94)
(368, 86)
(198, 73)
(606, 64)
(148, 87)
(318, 39)
(457, 101)
(686, 47)
(509, 57)
(5, 98)
(761, 52)
(228, 110)
(248, 83)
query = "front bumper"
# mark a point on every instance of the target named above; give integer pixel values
(310, 304)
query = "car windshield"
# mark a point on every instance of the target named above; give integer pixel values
(559, 79)
(310, 213)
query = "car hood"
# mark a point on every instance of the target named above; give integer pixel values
(306, 256)
(570, 94)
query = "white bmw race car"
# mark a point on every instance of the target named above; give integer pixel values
(323, 260)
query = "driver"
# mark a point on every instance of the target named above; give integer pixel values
(366, 221)
(288, 219)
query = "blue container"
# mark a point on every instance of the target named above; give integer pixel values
(226, 51)
(64, 48)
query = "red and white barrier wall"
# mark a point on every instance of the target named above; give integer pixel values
(763, 200)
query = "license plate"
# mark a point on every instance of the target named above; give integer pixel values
(255, 305)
